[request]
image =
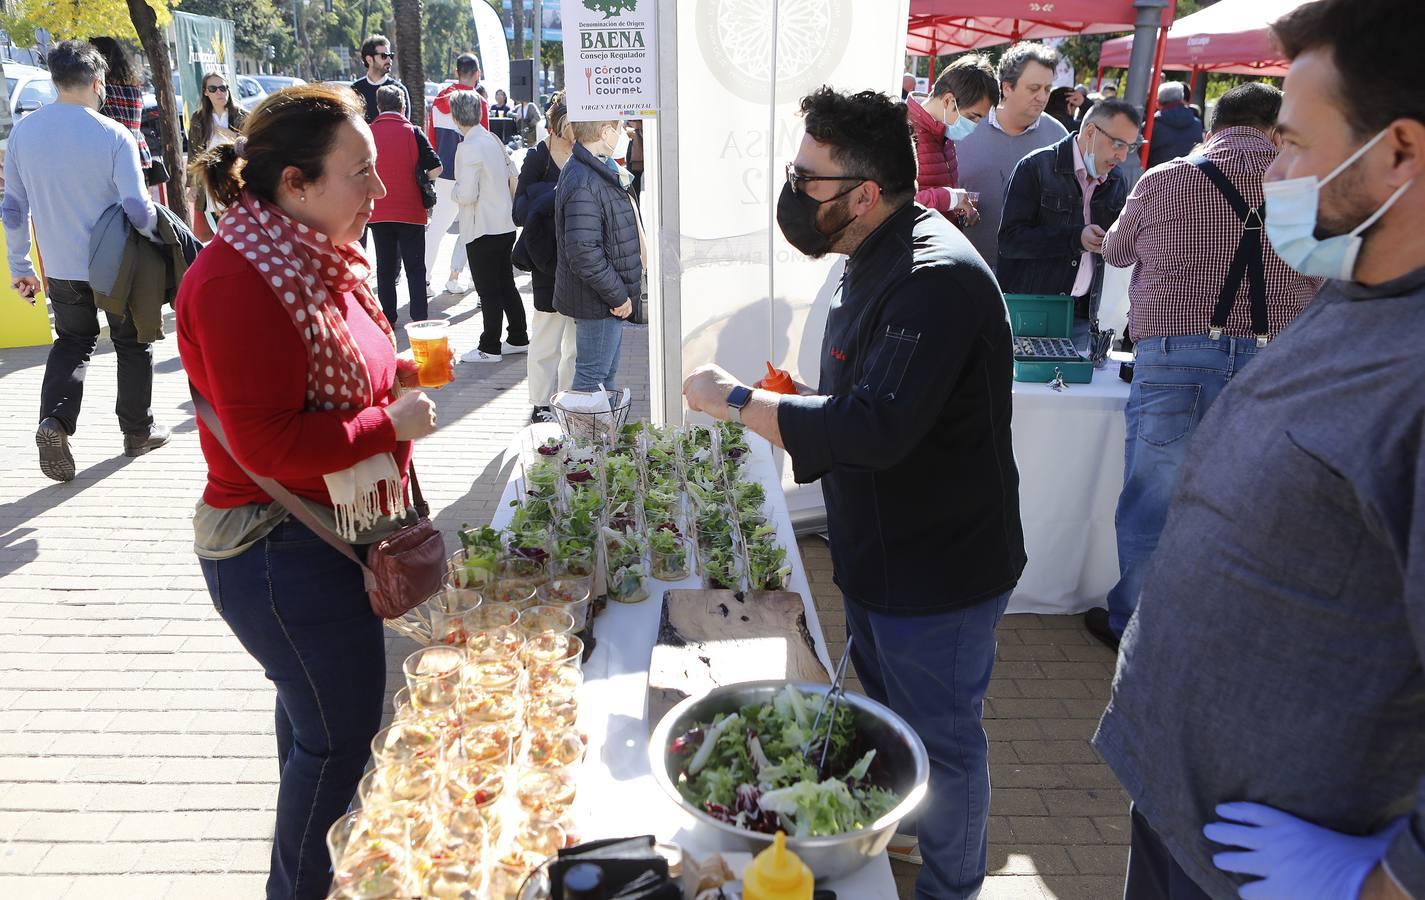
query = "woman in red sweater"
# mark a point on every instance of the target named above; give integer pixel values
(398, 224)
(279, 332)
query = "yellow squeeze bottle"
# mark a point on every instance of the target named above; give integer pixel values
(777, 874)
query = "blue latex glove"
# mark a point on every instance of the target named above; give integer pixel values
(1293, 859)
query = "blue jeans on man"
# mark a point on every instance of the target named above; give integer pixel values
(933, 670)
(596, 351)
(1175, 380)
(301, 610)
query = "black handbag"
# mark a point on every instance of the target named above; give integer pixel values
(157, 172)
(426, 185)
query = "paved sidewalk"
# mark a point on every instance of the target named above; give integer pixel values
(136, 749)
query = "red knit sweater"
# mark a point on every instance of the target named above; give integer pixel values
(241, 351)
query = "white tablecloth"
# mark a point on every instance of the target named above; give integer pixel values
(617, 795)
(1069, 448)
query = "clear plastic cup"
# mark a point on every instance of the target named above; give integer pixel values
(430, 343)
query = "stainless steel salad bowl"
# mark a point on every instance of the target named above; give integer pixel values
(830, 857)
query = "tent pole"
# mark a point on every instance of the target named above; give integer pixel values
(1098, 82)
(934, 55)
(1157, 77)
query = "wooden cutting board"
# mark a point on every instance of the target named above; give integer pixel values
(710, 638)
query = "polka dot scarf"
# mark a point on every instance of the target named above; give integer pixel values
(308, 273)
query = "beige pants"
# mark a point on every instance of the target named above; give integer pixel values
(441, 218)
(551, 356)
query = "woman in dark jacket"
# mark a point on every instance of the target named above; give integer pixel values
(208, 129)
(551, 336)
(601, 251)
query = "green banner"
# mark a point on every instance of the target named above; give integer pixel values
(203, 45)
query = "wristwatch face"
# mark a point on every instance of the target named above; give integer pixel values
(738, 397)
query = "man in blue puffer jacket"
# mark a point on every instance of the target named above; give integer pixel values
(601, 254)
(1176, 127)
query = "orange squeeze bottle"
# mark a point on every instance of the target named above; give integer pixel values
(778, 381)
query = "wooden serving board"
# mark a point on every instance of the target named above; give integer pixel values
(709, 638)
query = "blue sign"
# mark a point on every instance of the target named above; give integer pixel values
(553, 22)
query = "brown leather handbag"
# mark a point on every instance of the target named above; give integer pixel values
(400, 571)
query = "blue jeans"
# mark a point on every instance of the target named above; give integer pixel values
(933, 671)
(300, 609)
(1175, 380)
(596, 349)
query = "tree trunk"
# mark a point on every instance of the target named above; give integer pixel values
(146, 24)
(365, 15)
(408, 14)
(517, 20)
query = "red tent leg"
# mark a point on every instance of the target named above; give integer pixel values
(1098, 82)
(1157, 77)
(934, 58)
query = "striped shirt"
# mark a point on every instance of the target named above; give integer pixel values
(1179, 233)
(124, 104)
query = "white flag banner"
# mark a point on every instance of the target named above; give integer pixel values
(610, 59)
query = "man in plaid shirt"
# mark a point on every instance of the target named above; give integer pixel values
(1193, 331)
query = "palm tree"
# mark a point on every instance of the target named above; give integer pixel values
(517, 20)
(408, 15)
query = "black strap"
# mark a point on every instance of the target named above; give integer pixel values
(285, 497)
(1246, 261)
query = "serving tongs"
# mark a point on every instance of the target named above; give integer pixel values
(832, 697)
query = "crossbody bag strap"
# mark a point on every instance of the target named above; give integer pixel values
(276, 491)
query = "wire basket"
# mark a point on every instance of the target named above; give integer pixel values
(591, 427)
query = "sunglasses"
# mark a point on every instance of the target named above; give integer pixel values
(385, 55)
(797, 180)
(217, 89)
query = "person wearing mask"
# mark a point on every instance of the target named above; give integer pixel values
(1012, 130)
(326, 412)
(445, 136)
(1060, 108)
(960, 99)
(123, 97)
(601, 250)
(1268, 714)
(916, 372)
(1176, 128)
(551, 335)
(1195, 315)
(218, 121)
(484, 193)
(379, 59)
(66, 165)
(398, 221)
(1060, 202)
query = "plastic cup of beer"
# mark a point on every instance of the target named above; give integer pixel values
(430, 342)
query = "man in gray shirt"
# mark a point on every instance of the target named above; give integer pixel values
(67, 164)
(1012, 131)
(1268, 715)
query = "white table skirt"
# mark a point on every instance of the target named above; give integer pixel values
(1069, 449)
(617, 795)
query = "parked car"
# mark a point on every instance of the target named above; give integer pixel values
(250, 92)
(274, 83)
(29, 88)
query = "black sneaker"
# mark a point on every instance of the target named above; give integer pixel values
(56, 460)
(541, 414)
(1096, 621)
(139, 444)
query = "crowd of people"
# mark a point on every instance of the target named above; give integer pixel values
(1266, 717)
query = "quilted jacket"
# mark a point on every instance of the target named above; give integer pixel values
(596, 231)
(934, 157)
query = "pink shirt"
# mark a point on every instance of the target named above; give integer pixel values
(1084, 280)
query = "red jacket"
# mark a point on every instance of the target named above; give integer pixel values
(242, 352)
(935, 158)
(399, 153)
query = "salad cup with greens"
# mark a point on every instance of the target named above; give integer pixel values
(623, 558)
(478, 560)
(669, 552)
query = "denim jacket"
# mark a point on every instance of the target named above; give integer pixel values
(1039, 234)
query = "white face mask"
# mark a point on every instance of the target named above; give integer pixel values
(1291, 208)
(619, 150)
(959, 128)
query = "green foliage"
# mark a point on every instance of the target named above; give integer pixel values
(448, 31)
(257, 24)
(610, 8)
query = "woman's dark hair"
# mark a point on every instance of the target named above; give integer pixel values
(1372, 44)
(971, 79)
(293, 127)
(75, 64)
(1058, 103)
(203, 119)
(121, 68)
(869, 136)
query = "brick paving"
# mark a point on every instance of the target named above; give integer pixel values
(136, 749)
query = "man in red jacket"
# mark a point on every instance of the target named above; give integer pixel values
(961, 97)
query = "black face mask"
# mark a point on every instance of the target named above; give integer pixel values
(796, 216)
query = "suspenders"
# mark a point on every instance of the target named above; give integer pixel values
(1246, 262)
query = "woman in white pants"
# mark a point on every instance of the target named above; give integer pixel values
(551, 336)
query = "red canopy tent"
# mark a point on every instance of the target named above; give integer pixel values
(1230, 36)
(940, 27)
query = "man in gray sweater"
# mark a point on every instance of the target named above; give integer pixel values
(67, 164)
(1012, 131)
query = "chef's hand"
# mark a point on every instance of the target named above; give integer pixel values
(624, 311)
(1293, 858)
(706, 390)
(1092, 238)
(28, 287)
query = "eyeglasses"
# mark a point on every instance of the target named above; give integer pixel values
(217, 89)
(1120, 145)
(797, 180)
(385, 55)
